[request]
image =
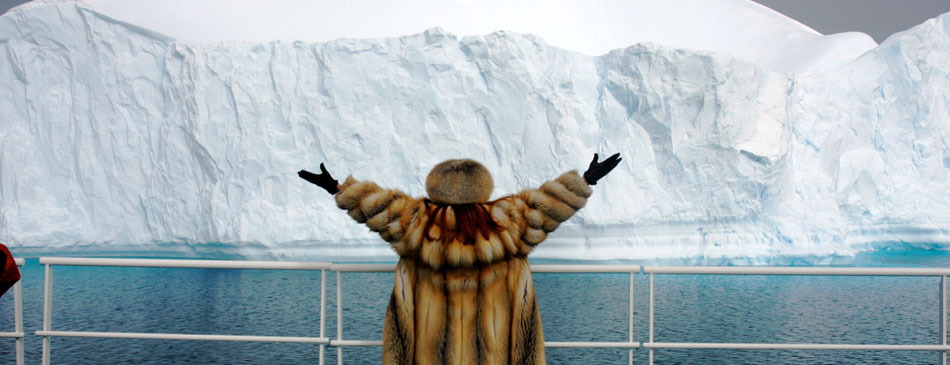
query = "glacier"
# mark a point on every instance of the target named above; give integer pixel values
(117, 139)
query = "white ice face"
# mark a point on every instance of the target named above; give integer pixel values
(118, 135)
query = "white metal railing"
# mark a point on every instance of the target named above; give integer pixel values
(811, 271)
(47, 331)
(694, 270)
(651, 345)
(339, 342)
(17, 333)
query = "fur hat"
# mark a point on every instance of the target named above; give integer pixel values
(459, 182)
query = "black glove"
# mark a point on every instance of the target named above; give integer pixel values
(324, 180)
(597, 170)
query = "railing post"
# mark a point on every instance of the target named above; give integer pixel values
(630, 317)
(18, 319)
(651, 317)
(47, 311)
(943, 318)
(339, 316)
(323, 308)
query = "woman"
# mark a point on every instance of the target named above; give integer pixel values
(463, 291)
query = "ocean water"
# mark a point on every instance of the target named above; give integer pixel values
(574, 307)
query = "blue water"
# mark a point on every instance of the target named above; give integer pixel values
(574, 307)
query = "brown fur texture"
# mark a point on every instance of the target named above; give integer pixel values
(457, 299)
(459, 182)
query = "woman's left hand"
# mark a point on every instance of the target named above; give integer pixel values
(597, 170)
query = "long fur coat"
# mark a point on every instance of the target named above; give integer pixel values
(469, 300)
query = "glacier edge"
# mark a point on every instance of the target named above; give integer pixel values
(121, 140)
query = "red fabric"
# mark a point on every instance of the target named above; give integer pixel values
(10, 274)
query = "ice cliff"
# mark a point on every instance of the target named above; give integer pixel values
(118, 139)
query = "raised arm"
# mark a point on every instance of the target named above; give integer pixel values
(385, 211)
(544, 209)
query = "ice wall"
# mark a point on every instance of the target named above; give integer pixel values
(116, 139)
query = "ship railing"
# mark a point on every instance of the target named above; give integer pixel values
(48, 331)
(942, 273)
(17, 333)
(651, 345)
(339, 342)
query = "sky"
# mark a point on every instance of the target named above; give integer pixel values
(877, 18)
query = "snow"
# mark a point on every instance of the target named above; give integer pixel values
(738, 27)
(124, 137)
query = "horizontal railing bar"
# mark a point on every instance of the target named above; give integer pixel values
(363, 267)
(823, 271)
(547, 268)
(790, 346)
(630, 345)
(534, 268)
(19, 261)
(696, 345)
(586, 268)
(12, 335)
(343, 343)
(178, 336)
(200, 264)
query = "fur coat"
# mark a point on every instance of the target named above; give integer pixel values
(468, 301)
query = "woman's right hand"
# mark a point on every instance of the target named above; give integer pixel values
(324, 180)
